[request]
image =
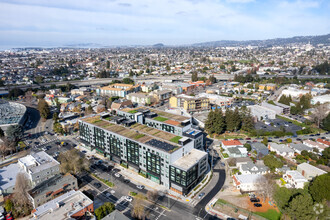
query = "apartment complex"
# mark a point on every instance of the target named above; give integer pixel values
(39, 167)
(163, 157)
(71, 205)
(118, 89)
(190, 103)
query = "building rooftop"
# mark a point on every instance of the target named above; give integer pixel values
(296, 176)
(231, 143)
(35, 162)
(281, 147)
(138, 132)
(8, 175)
(11, 112)
(249, 178)
(299, 147)
(63, 206)
(308, 167)
(189, 160)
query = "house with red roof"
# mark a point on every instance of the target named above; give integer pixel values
(231, 143)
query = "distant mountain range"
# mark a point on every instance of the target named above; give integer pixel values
(321, 39)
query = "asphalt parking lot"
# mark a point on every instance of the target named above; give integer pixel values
(278, 124)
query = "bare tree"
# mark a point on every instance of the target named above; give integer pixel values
(22, 185)
(265, 186)
(28, 96)
(138, 211)
(73, 162)
(152, 195)
(6, 146)
(320, 112)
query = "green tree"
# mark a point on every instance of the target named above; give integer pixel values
(104, 210)
(326, 123)
(282, 196)
(15, 92)
(194, 77)
(219, 122)
(57, 128)
(319, 188)
(209, 124)
(55, 117)
(247, 146)
(43, 108)
(108, 64)
(247, 122)
(14, 133)
(212, 79)
(2, 133)
(272, 162)
(128, 81)
(265, 141)
(301, 207)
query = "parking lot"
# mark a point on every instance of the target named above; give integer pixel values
(277, 125)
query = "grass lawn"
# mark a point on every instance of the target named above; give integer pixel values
(271, 214)
(176, 139)
(132, 111)
(225, 155)
(138, 136)
(161, 119)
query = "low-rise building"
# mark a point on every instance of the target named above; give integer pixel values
(281, 149)
(162, 95)
(236, 152)
(190, 103)
(324, 142)
(71, 205)
(247, 183)
(220, 101)
(140, 98)
(117, 89)
(8, 178)
(231, 143)
(39, 167)
(295, 179)
(259, 148)
(261, 112)
(299, 147)
(309, 171)
(313, 144)
(52, 188)
(268, 86)
(252, 168)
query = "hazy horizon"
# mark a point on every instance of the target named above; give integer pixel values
(41, 23)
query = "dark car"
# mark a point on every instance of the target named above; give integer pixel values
(257, 205)
(122, 205)
(97, 185)
(255, 200)
(126, 181)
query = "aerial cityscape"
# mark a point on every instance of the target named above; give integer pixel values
(166, 110)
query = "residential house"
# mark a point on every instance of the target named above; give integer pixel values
(52, 188)
(299, 147)
(189, 103)
(236, 152)
(247, 183)
(217, 100)
(251, 168)
(259, 148)
(161, 95)
(116, 215)
(71, 205)
(268, 86)
(325, 142)
(314, 144)
(281, 149)
(231, 143)
(117, 89)
(295, 179)
(309, 171)
(140, 98)
(121, 103)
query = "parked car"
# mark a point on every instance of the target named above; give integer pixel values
(126, 181)
(117, 175)
(140, 187)
(107, 194)
(255, 200)
(129, 198)
(97, 185)
(201, 195)
(257, 205)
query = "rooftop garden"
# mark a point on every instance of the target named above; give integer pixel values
(176, 139)
(138, 136)
(161, 119)
(132, 111)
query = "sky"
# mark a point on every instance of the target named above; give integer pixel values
(147, 22)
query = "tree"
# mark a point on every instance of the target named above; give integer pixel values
(282, 197)
(15, 92)
(43, 108)
(285, 99)
(21, 198)
(194, 76)
(72, 162)
(89, 110)
(265, 185)
(265, 141)
(2, 133)
(272, 162)
(247, 121)
(14, 133)
(55, 117)
(128, 81)
(320, 112)
(138, 208)
(301, 207)
(104, 210)
(219, 123)
(247, 146)
(152, 195)
(212, 79)
(319, 188)
(108, 64)
(326, 123)
(57, 128)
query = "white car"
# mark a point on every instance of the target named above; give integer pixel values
(140, 186)
(129, 198)
(117, 175)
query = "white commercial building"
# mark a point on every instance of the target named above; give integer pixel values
(261, 112)
(295, 179)
(321, 99)
(294, 93)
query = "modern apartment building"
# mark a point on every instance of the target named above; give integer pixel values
(190, 103)
(39, 167)
(118, 89)
(175, 124)
(166, 158)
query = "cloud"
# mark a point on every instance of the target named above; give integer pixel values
(168, 21)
